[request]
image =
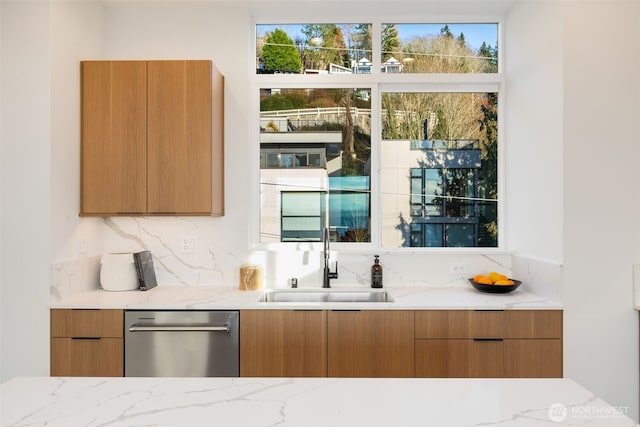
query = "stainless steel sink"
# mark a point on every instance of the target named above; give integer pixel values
(317, 295)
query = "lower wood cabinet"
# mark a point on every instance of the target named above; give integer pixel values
(371, 343)
(307, 343)
(87, 343)
(489, 344)
(283, 343)
(529, 358)
(442, 358)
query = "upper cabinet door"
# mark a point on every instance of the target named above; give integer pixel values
(114, 135)
(179, 137)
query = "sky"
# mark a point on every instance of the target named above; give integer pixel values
(474, 34)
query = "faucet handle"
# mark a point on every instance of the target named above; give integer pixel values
(334, 274)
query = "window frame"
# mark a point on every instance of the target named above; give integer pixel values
(379, 82)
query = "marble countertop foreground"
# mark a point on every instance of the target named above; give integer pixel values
(224, 298)
(246, 402)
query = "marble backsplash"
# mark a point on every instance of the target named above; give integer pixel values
(224, 248)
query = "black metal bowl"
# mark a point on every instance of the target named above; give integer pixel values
(496, 289)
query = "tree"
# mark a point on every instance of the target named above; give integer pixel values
(276, 102)
(280, 54)
(362, 42)
(390, 41)
(490, 56)
(461, 41)
(488, 174)
(445, 32)
(325, 45)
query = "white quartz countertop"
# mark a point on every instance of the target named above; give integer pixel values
(226, 298)
(247, 402)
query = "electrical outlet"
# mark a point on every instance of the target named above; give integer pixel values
(458, 268)
(189, 244)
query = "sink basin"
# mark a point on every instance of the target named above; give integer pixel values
(317, 295)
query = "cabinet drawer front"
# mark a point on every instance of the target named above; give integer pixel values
(486, 324)
(533, 358)
(442, 324)
(371, 343)
(486, 358)
(436, 358)
(101, 357)
(533, 324)
(87, 323)
(283, 343)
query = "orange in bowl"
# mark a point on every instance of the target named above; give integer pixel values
(483, 280)
(496, 277)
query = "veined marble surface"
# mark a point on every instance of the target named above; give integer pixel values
(247, 402)
(460, 296)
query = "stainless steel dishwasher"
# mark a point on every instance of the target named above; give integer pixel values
(181, 344)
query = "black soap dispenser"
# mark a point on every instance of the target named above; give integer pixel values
(376, 273)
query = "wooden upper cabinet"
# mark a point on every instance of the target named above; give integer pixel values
(152, 138)
(114, 137)
(179, 137)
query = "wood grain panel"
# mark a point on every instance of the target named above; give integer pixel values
(179, 137)
(442, 358)
(486, 358)
(371, 343)
(533, 358)
(87, 323)
(283, 343)
(102, 357)
(217, 173)
(533, 324)
(486, 323)
(442, 324)
(114, 137)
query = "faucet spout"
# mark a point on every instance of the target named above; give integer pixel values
(327, 274)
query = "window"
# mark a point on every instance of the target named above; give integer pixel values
(407, 161)
(322, 145)
(449, 156)
(439, 48)
(302, 216)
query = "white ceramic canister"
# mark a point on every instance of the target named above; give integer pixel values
(118, 272)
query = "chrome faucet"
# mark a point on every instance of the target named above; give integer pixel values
(327, 274)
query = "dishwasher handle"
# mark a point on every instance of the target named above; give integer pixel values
(179, 328)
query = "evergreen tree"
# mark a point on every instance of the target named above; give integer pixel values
(280, 54)
(326, 45)
(445, 32)
(362, 42)
(390, 41)
(490, 56)
(488, 173)
(461, 41)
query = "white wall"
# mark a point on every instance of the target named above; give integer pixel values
(76, 33)
(533, 130)
(26, 135)
(601, 197)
